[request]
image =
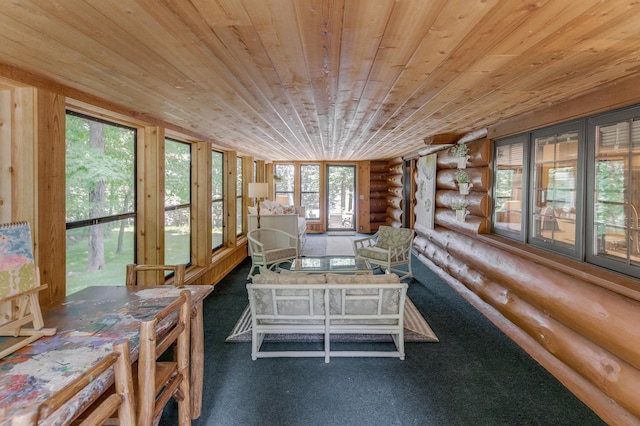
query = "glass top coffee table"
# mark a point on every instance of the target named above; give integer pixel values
(331, 264)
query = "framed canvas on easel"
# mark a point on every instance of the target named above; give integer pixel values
(19, 287)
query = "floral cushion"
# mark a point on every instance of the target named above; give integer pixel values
(389, 236)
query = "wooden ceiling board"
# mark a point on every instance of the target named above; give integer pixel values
(420, 80)
(324, 79)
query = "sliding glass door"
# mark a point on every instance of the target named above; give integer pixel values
(341, 189)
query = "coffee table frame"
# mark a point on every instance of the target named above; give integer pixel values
(331, 265)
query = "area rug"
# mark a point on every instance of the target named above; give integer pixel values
(341, 233)
(416, 329)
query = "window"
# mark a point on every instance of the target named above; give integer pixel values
(310, 190)
(285, 182)
(583, 195)
(508, 187)
(239, 180)
(177, 202)
(614, 199)
(100, 201)
(217, 201)
(556, 173)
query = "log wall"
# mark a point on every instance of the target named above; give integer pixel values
(575, 324)
(378, 187)
(479, 208)
(394, 193)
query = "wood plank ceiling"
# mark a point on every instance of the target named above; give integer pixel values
(324, 79)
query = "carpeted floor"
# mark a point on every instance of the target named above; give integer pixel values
(475, 375)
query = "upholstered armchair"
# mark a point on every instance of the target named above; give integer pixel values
(389, 249)
(270, 247)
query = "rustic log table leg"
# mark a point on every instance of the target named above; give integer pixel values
(197, 360)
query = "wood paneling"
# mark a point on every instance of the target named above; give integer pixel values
(150, 187)
(50, 189)
(332, 80)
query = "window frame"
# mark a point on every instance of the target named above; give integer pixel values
(577, 252)
(302, 192)
(182, 206)
(291, 195)
(218, 200)
(239, 196)
(591, 256)
(131, 216)
(524, 210)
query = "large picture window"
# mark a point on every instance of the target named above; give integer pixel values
(100, 201)
(177, 201)
(217, 200)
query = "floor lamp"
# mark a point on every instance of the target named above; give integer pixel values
(257, 191)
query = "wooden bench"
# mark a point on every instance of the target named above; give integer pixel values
(329, 308)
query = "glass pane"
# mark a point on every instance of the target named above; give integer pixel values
(216, 176)
(177, 221)
(554, 202)
(341, 197)
(217, 191)
(239, 216)
(216, 224)
(508, 187)
(617, 192)
(100, 183)
(111, 246)
(100, 166)
(284, 177)
(177, 236)
(177, 173)
(239, 177)
(310, 190)
(239, 180)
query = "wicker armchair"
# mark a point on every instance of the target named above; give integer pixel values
(270, 247)
(389, 249)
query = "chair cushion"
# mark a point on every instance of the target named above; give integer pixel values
(389, 236)
(374, 253)
(362, 279)
(281, 253)
(271, 277)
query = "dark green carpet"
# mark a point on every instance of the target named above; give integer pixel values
(474, 376)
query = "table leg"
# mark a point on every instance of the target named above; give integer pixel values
(197, 360)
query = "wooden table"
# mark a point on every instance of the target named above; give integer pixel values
(88, 323)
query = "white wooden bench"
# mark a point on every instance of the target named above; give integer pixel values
(328, 309)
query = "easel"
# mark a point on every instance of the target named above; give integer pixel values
(19, 287)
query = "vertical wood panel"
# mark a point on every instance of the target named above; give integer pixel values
(363, 223)
(49, 227)
(201, 205)
(150, 195)
(247, 171)
(230, 198)
(6, 99)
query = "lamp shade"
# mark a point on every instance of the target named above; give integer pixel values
(258, 190)
(282, 200)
